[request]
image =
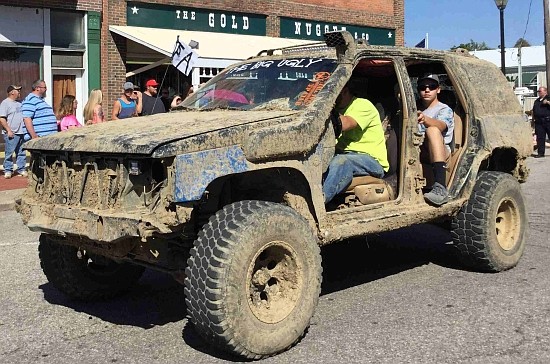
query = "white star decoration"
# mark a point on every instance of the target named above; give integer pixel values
(134, 10)
(390, 34)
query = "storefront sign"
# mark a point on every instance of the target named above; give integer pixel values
(314, 30)
(186, 18)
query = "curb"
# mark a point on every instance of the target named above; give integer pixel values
(10, 206)
(8, 197)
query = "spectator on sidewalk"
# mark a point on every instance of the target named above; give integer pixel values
(541, 117)
(165, 98)
(152, 104)
(13, 132)
(93, 111)
(127, 106)
(66, 113)
(38, 116)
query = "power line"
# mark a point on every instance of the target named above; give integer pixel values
(527, 23)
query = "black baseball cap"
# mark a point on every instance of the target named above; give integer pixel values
(13, 87)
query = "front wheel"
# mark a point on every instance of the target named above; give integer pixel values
(253, 279)
(491, 229)
(84, 276)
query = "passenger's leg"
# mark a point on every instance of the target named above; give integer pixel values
(338, 176)
(438, 154)
(342, 169)
(365, 165)
(436, 144)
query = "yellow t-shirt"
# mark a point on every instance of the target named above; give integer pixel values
(368, 136)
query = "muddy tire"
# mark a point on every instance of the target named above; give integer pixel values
(83, 276)
(491, 229)
(253, 279)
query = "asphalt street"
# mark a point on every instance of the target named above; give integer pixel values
(406, 301)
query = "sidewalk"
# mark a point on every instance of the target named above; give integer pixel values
(10, 190)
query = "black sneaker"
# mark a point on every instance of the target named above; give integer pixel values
(539, 156)
(438, 195)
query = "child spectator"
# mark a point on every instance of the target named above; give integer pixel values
(66, 113)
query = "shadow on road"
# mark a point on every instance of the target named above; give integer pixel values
(362, 260)
(158, 299)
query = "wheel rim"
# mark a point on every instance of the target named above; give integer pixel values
(275, 282)
(507, 224)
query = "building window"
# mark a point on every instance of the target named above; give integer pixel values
(67, 59)
(67, 29)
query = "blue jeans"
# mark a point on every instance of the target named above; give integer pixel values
(342, 169)
(14, 145)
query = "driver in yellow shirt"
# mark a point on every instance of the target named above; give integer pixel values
(360, 149)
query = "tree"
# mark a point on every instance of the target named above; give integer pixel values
(522, 43)
(472, 46)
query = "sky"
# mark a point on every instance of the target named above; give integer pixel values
(451, 22)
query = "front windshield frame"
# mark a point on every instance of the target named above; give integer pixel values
(276, 84)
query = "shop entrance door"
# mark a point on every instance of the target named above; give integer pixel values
(62, 85)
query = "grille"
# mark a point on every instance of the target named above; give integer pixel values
(94, 183)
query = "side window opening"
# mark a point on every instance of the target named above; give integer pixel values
(448, 95)
(376, 80)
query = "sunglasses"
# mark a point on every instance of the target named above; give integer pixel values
(431, 86)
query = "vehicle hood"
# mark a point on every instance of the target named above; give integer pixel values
(141, 135)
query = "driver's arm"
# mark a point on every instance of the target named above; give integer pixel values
(348, 122)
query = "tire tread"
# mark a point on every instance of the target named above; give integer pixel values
(204, 295)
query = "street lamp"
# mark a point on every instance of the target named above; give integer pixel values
(501, 5)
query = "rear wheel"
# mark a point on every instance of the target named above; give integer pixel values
(491, 229)
(82, 275)
(253, 279)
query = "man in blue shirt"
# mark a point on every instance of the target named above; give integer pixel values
(38, 116)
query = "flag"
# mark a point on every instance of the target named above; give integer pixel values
(184, 57)
(421, 44)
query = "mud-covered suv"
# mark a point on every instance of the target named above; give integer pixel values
(226, 192)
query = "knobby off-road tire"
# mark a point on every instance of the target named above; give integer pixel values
(253, 279)
(82, 276)
(491, 229)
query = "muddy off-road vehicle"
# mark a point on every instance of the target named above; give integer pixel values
(226, 195)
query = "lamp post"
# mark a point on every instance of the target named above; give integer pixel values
(501, 5)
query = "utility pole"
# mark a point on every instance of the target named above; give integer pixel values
(547, 40)
(520, 70)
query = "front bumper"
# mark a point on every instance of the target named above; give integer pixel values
(100, 226)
